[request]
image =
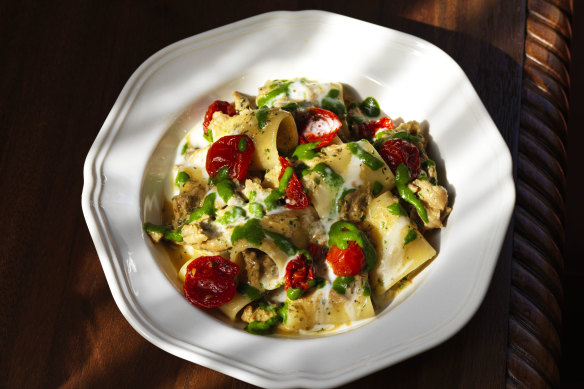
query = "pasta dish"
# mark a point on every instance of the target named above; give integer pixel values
(301, 209)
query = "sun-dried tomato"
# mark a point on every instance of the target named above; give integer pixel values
(368, 130)
(346, 262)
(295, 196)
(318, 125)
(396, 151)
(299, 273)
(210, 281)
(217, 105)
(233, 151)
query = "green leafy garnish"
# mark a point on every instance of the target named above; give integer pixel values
(252, 231)
(232, 215)
(397, 209)
(306, 151)
(369, 160)
(181, 179)
(167, 233)
(262, 117)
(291, 107)
(377, 188)
(410, 237)
(249, 291)
(208, 208)
(340, 284)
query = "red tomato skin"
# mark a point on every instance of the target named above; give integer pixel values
(396, 151)
(318, 125)
(368, 130)
(217, 105)
(213, 281)
(298, 274)
(225, 152)
(346, 262)
(317, 251)
(295, 196)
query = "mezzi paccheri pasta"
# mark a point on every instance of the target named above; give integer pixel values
(300, 210)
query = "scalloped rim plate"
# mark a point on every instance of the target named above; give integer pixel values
(410, 77)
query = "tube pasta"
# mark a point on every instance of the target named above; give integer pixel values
(271, 267)
(388, 231)
(233, 307)
(325, 307)
(278, 136)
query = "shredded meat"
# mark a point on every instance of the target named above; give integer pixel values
(435, 200)
(354, 205)
(203, 234)
(258, 265)
(250, 314)
(191, 197)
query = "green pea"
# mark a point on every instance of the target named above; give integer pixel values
(181, 179)
(294, 293)
(256, 210)
(370, 107)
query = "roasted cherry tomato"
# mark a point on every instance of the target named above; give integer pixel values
(396, 151)
(233, 151)
(298, 274)
(346, 262)
(318, 125)
(217, 105)
(317, 251)
(295, 196)
(368, 130)
(210, 281)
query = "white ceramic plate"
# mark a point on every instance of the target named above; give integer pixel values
(412, 79)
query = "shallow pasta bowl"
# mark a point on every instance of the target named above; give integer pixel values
(126, 168)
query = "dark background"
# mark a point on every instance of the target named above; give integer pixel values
(62, 67)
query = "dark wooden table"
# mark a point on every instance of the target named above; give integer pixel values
(63, 66)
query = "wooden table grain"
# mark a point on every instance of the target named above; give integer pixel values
(63, 66)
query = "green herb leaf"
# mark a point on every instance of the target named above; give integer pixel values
(269, 98)
(249, 291)
(262, 117)
(242, 144)
(397, 209)
(167, 233)
(252, 231)
(369, 160)
(410, 237)
(208, 208)
(340, 284)
(377, 188)
(232, 215)
(306, 151)
(181, 179)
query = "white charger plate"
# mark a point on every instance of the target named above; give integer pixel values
(126, 168)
